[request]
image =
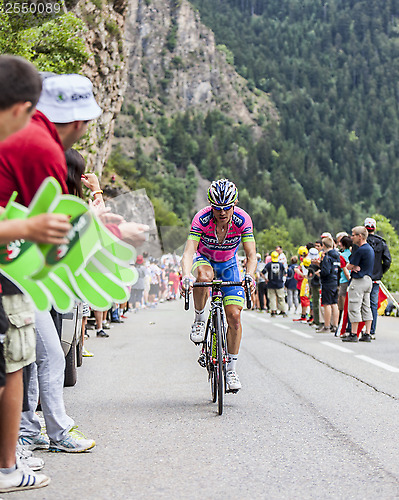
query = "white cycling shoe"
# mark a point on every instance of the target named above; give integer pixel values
(232, 381)
(197, 334)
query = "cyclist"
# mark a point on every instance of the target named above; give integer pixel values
(211, 250)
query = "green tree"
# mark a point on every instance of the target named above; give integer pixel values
(386, 230)
(56, 45)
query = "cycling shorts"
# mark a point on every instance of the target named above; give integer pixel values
(226, 271)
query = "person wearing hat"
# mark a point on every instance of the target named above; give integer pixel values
(20, 89)
(65, 107)
(382, 262)
(274, 273)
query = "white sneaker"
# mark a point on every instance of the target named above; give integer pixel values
(197, 334)
(39, 442)
(74, 442)
(26, 457)
(21, 479)
(232, 381)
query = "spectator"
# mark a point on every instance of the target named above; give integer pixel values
(300, 274)
(291, 285)
(137, 290)
(314, 284)
(339, 237)
(329, 269)
(173, 282)
(382, 262)
(53, 129)
(274, 272)
(155, 275)
(344, 243)
(261, 283)
(361, 264)
(20, 87)
(75, 177)
(281, 256)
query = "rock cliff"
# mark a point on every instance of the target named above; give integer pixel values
(174, 63)
(106, 68)
(157, 54)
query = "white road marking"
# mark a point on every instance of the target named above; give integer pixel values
(338, 347)
(284, 327)
(378, 363)
(265, 320)
(301, 334)
(335, 346)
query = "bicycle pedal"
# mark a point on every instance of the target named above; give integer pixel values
(232, 391)
(202, 360)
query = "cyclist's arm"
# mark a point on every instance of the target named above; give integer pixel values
(187, 259)
(250, 252)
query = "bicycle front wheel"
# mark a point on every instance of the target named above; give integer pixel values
(219, 365)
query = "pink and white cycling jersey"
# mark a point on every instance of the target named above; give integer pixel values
(203, 230)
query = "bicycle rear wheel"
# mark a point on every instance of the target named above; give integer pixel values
(219, 365)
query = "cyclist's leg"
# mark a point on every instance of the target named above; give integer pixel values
(234, 335)
(233, 301)
(202, 270)
(234, 330)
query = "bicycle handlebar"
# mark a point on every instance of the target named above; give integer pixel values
(206, 284)
(186, 294)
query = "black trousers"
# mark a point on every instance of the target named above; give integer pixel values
(262, 292)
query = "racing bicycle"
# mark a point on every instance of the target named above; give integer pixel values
(214, 356)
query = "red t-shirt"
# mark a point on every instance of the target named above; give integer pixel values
(28, 157)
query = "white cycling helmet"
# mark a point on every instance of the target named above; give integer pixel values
(222, 193)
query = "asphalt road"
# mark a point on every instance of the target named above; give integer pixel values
(316, 418)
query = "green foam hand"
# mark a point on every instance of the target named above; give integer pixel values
(93, 266)
(20, 259)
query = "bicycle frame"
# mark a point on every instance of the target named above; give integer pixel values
(215, 343)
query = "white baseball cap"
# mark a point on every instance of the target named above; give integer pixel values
(68, 98)
(326, 235)
(369, 222)
(313, 253)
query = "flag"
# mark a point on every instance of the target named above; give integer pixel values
(382, 302)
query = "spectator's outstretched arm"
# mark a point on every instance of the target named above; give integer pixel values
(43, 228)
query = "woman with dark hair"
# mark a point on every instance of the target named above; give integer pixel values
(75, 177)
(76, 169)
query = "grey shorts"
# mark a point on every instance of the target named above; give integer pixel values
(20, 340)
(359, 300)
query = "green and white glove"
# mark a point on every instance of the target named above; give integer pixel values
(93, 266)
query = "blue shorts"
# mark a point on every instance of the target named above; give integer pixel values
(226, 271)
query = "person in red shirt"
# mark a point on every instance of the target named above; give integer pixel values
(20, 88)
(27, 157)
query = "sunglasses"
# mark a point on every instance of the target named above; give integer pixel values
(215, 207)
